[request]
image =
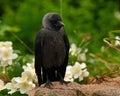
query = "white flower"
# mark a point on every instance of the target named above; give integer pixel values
(6, 51)
(20, 84)
(68, 75)
(12, 86)
(117, 42)
(74, 50)
(25, 87)
(28, 75)
(6, 63)
(82, 57)
(79, 71)
(1, 53)
(29, 72)
(85, 73)
(24, 83)
(2, 86)
(117, 15)
(28, 67)
(78, 52)
(83, 65)
(6, 44)
(76, 70)
(20, 79)
(6, 54)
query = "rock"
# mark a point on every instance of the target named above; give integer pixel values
(72, 89)
(107, 92)
(106, 88)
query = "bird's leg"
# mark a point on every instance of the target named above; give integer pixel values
(62, 81)
(48, 83)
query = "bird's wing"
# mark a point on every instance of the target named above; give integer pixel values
(67, 55)
(67, 49)
(66, 43)
(38, 55)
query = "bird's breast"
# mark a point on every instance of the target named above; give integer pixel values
(54, 51)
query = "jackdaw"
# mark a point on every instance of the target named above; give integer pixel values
(51, 50)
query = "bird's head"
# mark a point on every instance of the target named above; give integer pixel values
(52, 21)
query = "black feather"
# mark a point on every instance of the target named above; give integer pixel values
(51, 50)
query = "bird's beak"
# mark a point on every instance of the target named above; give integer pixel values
(61, 23)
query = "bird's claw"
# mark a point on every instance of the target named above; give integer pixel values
(48, 85)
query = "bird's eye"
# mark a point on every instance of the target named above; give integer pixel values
(53, 21)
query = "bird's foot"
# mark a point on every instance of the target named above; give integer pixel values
(48, 84)
(64, 82)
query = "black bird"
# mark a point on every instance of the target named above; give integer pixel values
(51, 50)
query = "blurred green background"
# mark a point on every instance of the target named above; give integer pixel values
(87, 22)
